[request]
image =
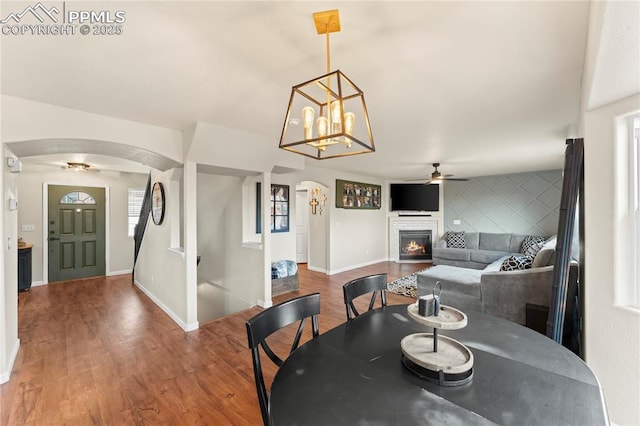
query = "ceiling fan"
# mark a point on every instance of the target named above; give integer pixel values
(437, 176)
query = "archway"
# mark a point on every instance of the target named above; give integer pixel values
(316, 214)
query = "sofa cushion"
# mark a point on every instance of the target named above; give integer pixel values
(453, 279)
(545, 257)
(495, 265)
(516, 262)
(472, 240)
(452, 253)
(486, 256)
(532, 245)
(516, 243)
(547, 254)
(456, 240)
(496, 242)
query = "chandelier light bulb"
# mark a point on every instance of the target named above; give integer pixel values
(307, 121)
(336, 117)
(349, 123)
(323, 126)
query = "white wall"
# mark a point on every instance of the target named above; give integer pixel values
(25, 120)
(160, 269)
(225, 261)
(30, 190)
(612, 331)
(237, 150)
(9, 342)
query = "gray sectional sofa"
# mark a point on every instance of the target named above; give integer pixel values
(471, 278)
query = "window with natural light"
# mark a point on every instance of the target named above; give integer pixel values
(135, 199)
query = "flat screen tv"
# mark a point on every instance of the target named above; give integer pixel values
(414, 197)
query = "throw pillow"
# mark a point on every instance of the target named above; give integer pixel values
(515, 263)
(456, 240)
(532, 245)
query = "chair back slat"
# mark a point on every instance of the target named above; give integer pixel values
(272, 355)
(361, 286)
(268, 322)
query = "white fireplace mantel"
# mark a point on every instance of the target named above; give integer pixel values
(410, 223)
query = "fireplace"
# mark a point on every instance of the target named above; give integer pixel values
(414, 244)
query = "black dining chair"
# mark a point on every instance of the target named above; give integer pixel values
(268, 322)
(364, 285)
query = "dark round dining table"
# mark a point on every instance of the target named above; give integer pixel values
(353, 375)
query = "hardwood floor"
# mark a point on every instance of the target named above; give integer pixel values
(98, 351)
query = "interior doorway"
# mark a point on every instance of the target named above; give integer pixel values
(75, 232)
(314, 210)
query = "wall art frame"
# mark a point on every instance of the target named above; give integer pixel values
(358, 195)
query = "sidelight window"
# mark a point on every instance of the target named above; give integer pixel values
(134, 205)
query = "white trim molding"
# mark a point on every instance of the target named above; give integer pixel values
(5, 375)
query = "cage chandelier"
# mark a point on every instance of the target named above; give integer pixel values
(327, 116)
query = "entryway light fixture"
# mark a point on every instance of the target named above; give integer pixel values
(342, 125)
(78, 166)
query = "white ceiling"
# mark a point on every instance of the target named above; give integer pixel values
(481, 87)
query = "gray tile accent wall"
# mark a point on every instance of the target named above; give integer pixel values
(522, 203)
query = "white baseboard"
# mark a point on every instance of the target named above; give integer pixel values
(264, 304)
(348, 268)
(186, 327)
(314, 269)
(38, 283)
(4, 376)
(124, 271)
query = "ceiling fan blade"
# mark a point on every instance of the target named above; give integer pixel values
(415, 180)
(455, 179)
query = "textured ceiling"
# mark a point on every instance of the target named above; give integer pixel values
(481, 87)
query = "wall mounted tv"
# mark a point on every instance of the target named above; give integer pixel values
(414, 197)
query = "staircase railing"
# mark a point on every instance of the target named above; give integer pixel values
(138, 234)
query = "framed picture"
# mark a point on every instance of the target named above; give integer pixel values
(357, 195)
(278, 207)
(157, 203)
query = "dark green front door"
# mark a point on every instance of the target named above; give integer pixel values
(76, 232)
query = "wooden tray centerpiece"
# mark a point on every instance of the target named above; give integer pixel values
(439, 359)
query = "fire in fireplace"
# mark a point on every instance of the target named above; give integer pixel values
(415, 244)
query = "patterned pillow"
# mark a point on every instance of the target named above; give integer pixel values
(532, 245)
(515, 263)
(456, 240)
